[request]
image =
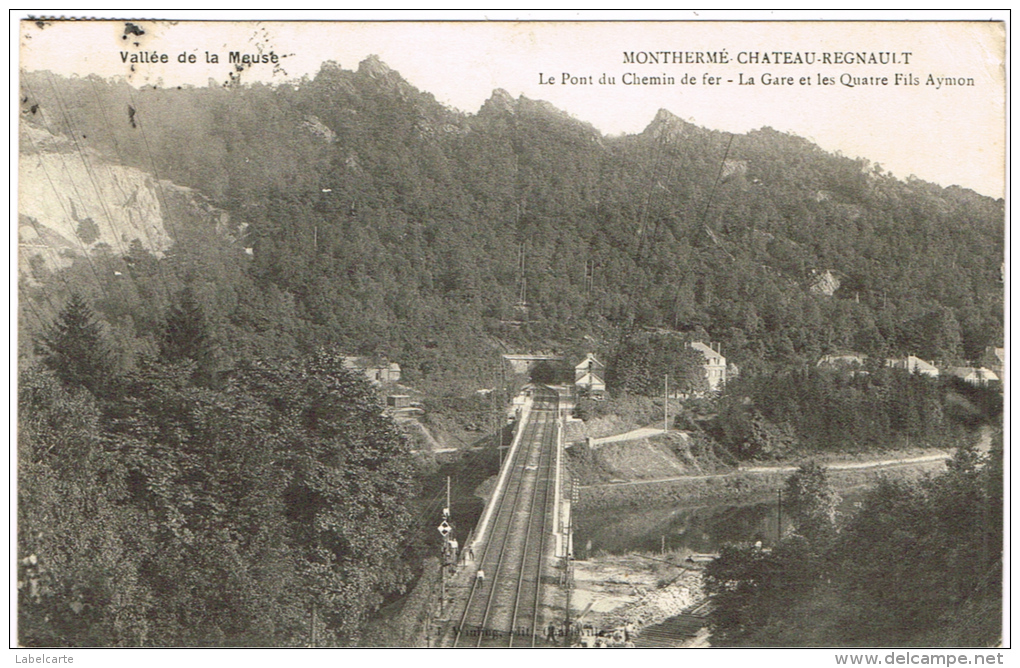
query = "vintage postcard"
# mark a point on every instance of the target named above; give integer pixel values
(512, 333)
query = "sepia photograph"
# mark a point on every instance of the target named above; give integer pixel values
(511, 330)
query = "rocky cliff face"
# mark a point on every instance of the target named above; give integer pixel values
(72, 202)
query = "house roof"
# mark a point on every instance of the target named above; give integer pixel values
(979, 373)
(912, 363)
(708, 352)
(918, 364)
(589, 358)
(590, 379)
(532, 358)
(995, 355)
(846, 357)
(368, 363)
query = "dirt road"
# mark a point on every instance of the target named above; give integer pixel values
(761, 470)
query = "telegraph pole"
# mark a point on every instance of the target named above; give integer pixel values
(497, 392)
(567, 568)
(314, 641)
(779, 518)
(665, 406)
(522, 284)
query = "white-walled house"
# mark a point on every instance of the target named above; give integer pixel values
(377, 372)
(715, 364)
(914, 365)
(974, 375)
(589, 376)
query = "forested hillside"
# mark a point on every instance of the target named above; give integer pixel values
(195, 465)
(390, 224)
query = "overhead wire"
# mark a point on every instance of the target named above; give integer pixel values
(31, 307)
(90, 170)
(722, 165)
(67, 214)
(152, 162)
(473, 461)
(659, 148)
(160, 269)
(72, 133)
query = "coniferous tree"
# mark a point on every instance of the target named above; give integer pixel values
(187, 336)
(75, 349)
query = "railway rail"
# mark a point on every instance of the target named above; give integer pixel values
(503, 608)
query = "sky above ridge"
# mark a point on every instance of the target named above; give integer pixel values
(928, 98)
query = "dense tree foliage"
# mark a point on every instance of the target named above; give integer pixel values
(916, 565)
(187, 336)
(751, 586)
(817, 409)
(79, 581)
(170, 512)
(812, 502)
(930, 551)
(645, 359)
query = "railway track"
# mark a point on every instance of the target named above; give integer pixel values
(503, 609)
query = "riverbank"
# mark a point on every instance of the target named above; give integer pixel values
(625, 579)
(622, 579)
(748, 483)
(635, 591)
